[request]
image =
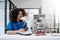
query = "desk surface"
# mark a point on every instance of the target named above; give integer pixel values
(31, 37)
(17, 35)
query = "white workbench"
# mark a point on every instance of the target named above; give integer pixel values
(31, 37)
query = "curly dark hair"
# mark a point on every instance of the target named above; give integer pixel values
(14, 13)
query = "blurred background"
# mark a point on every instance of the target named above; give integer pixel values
(47, 12)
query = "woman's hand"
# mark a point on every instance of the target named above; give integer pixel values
(21, 30)
(14, 32)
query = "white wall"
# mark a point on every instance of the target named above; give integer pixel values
(48, 8)
(2, 21)
(57, 12)
(1, 0)
(2, 16)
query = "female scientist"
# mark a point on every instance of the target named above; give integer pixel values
(16, 25)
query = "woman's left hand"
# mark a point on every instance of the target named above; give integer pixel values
(21, 30)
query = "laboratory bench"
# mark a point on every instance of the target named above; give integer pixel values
(48, 36)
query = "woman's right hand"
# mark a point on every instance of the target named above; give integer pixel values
(14, 32)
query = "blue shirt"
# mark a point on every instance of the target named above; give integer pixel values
(16, 26)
